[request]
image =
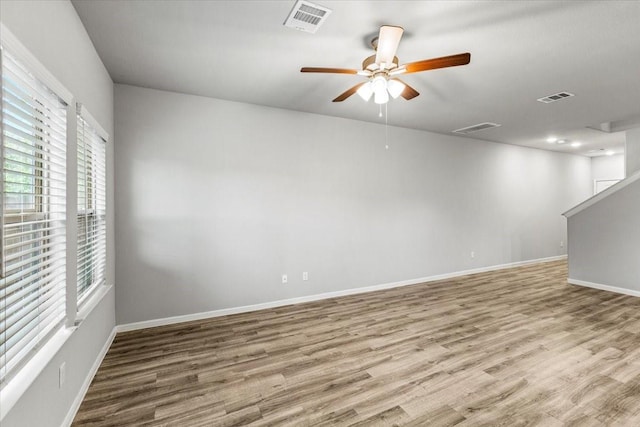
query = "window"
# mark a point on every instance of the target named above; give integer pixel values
(91, 206)
(33, 213)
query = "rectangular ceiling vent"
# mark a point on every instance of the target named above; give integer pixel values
(555, 97)
(306, 16)
(476, 128)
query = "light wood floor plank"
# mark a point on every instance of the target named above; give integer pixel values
(515, 347)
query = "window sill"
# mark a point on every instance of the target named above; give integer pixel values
(91, 302)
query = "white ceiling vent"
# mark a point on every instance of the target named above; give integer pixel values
(555, 97)
(306, 16)
(476, 128)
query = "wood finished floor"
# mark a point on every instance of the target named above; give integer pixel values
(513, 347)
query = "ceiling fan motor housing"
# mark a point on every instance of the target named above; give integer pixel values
(370, 64)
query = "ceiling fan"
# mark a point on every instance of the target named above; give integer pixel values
(382, 68)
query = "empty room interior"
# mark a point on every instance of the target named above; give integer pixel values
(301, 213)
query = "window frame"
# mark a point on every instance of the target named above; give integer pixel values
(51, 336)
(92, 211)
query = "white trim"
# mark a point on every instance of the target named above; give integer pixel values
(84, 113)
(71, 261)
(13, 390)
(73, 410)
(92, 301)
(272, 304)
(605, 193)
(22, 54)
(601, 287)
(596, 181)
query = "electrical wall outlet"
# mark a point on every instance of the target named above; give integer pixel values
(305, 275)
(562, 243)
(473, 254)
(284, 278)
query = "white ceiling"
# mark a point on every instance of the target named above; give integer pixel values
(520, 51)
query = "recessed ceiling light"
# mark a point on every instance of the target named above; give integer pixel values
(552, 139)
(561, 141)
(610, 153)
(576, 144)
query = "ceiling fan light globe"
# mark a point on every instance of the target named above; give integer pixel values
(379, 86)
(381, 96)
(365, 91)
(379, 83)
(395, 88)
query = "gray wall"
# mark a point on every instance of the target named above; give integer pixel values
(632, 151)
(604, 244)
(607, 167)
(217, 199)
(52, 31)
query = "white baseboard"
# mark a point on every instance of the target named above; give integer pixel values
(87, 381)
(602, 287)
(272, 304)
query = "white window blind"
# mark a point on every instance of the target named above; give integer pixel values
(92, 209)
(33, 213)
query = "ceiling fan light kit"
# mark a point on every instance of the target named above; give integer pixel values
(381, 69)
(395, 87)
(381, 87)
(365, 91)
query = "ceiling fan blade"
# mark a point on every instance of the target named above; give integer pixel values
(328, 70)
(408, 92)
(435, 63)
(388, 41)
(344, 95)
